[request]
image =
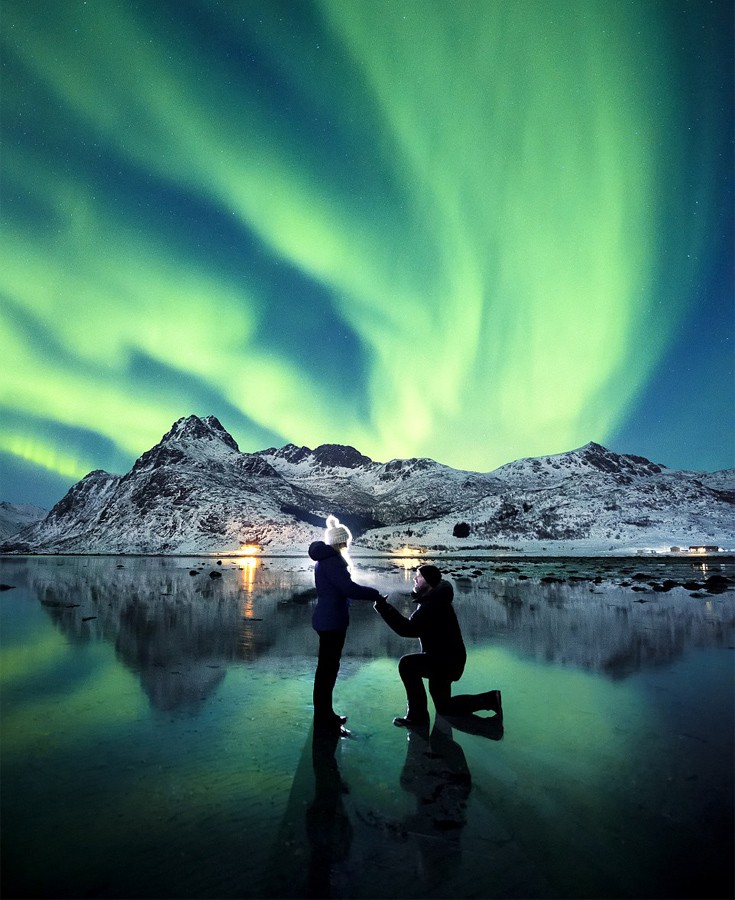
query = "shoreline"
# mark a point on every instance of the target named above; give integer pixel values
(724, 556)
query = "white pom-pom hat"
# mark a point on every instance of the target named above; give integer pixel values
(336, 533)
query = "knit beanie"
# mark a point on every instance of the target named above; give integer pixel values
(431, 574)
(336, 533)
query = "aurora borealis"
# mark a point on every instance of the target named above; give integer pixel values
(474, 230)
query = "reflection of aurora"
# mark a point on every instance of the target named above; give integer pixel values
(182, 170)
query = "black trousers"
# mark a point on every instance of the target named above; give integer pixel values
(413, 668)
(327, 667)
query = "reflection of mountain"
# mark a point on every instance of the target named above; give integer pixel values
(606, 628)
(177, 631)
(180, 632)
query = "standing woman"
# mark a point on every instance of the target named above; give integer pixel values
(335, 588)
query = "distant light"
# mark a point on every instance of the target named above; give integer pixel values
(410, 552)
(408, 557)
(248, 563)
(249, 549)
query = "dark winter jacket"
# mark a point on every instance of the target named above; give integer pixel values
(435, 624)
(334, 588)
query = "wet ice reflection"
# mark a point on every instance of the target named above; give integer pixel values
(173, 711)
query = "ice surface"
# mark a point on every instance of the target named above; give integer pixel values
(157, 742)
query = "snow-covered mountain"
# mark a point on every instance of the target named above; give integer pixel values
(592, 499)
(15, 516)
(196, 492)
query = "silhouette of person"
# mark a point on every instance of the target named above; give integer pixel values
(335, 588)
(443, 655)
(437, 774)
(328, 827)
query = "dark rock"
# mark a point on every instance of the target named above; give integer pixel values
(7, 587)
(214, 574)
(341, 456)
(304, 596)
(641, 576)
(662, 587)
(290, 452)
(617, 464)
(716, 584)
(193, 572)
(257, 467)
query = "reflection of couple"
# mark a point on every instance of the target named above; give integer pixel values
(434, 622)
(435, 773)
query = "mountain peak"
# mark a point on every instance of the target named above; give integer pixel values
(591, 459)
(323, 456)
(290, 452)
(190, 428)
(599, 457)
(340, 455)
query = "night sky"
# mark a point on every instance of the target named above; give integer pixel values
(474, 230)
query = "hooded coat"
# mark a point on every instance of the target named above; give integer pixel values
(435, 624)
(335, 588)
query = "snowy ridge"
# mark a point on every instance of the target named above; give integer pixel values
(587, 460)
(15, 516)
(196, 492)
(354, 485)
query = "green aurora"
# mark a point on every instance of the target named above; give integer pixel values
(470, 230)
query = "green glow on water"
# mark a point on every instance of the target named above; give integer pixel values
(30, 660)
(106, 699)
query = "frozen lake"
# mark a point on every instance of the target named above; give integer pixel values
(157, 742)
